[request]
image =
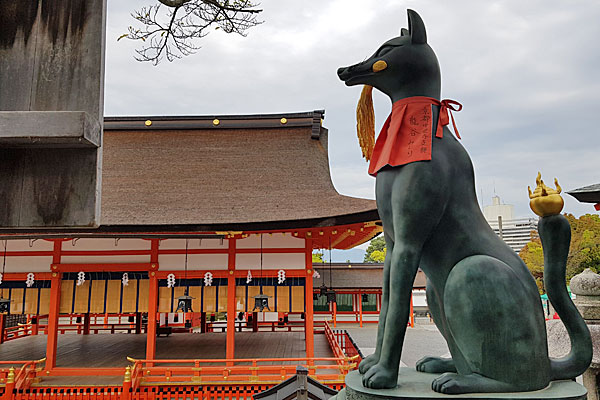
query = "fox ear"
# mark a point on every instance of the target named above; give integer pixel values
(416, 27)
(404, 32)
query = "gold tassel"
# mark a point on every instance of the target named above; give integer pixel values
(365, 122)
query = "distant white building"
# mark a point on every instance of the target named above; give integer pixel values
(515, 232)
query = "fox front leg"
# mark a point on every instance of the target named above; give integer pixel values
(371, 360)
(413, 199)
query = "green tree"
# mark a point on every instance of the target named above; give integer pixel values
(376, 251)
(317, 257)
(584, 250)
(533, 256)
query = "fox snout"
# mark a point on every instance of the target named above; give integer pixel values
(345, 73)
(351, 75)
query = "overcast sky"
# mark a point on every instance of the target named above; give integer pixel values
(526, 72)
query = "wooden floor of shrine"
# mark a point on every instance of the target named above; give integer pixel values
(112, 350)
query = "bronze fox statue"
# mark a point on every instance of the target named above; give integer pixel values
(480, 293)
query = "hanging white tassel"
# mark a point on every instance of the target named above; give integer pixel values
(0, 278)
(171, 280)
(280, 276)
(249, 277)
(208, 278)
(125, 279)
(30, 279)
(316, 274)
(80, 278)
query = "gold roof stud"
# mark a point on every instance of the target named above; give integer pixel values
(148, 122)
(216, 122)
(545, 201)
(283, 121)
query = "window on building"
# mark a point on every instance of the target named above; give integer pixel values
(344, 302)
(320, 304)
(371, 303)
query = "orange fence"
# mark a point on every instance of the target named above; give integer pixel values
(262, 326)
(19, 331)
(76, 323)
(239, 371)
(93, 328)
(171, 379)
(347, 344)
(19, 378)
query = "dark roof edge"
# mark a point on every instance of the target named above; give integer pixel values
(347, 219)
(587, 194)
(246, 121)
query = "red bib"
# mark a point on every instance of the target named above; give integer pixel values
(406, 135)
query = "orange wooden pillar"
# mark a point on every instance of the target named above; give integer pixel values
(309, 330)
(51, 344)
(230, 344)
(53, 314)
(334, 309)
(152, 303)
(35, 328)
(412, 312)
(86, 324)
(138, 323)
(152, 310)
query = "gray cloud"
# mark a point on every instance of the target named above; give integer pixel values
(526, 73)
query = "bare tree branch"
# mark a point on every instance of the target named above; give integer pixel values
(171, 33)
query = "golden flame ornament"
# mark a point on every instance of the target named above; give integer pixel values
(545, 201)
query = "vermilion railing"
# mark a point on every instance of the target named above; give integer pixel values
(12, 377)
(94, 328)
(239, 371)
(263, 326)
(336, 347)
(347, 344)
(222, 379)
(19, 331)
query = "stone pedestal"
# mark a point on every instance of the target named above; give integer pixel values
(417, 385)
(586, 286)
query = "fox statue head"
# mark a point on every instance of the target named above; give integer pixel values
(404, 66)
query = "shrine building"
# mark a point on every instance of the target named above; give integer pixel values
(220, 211)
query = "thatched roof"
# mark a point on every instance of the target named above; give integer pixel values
(242, 172)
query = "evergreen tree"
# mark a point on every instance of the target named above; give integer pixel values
(376, 251)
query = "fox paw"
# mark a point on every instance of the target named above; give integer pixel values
(436, 365)
(451, 384)
(378, 377)
(367, 363)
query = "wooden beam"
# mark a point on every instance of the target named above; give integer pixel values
(115, 267)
